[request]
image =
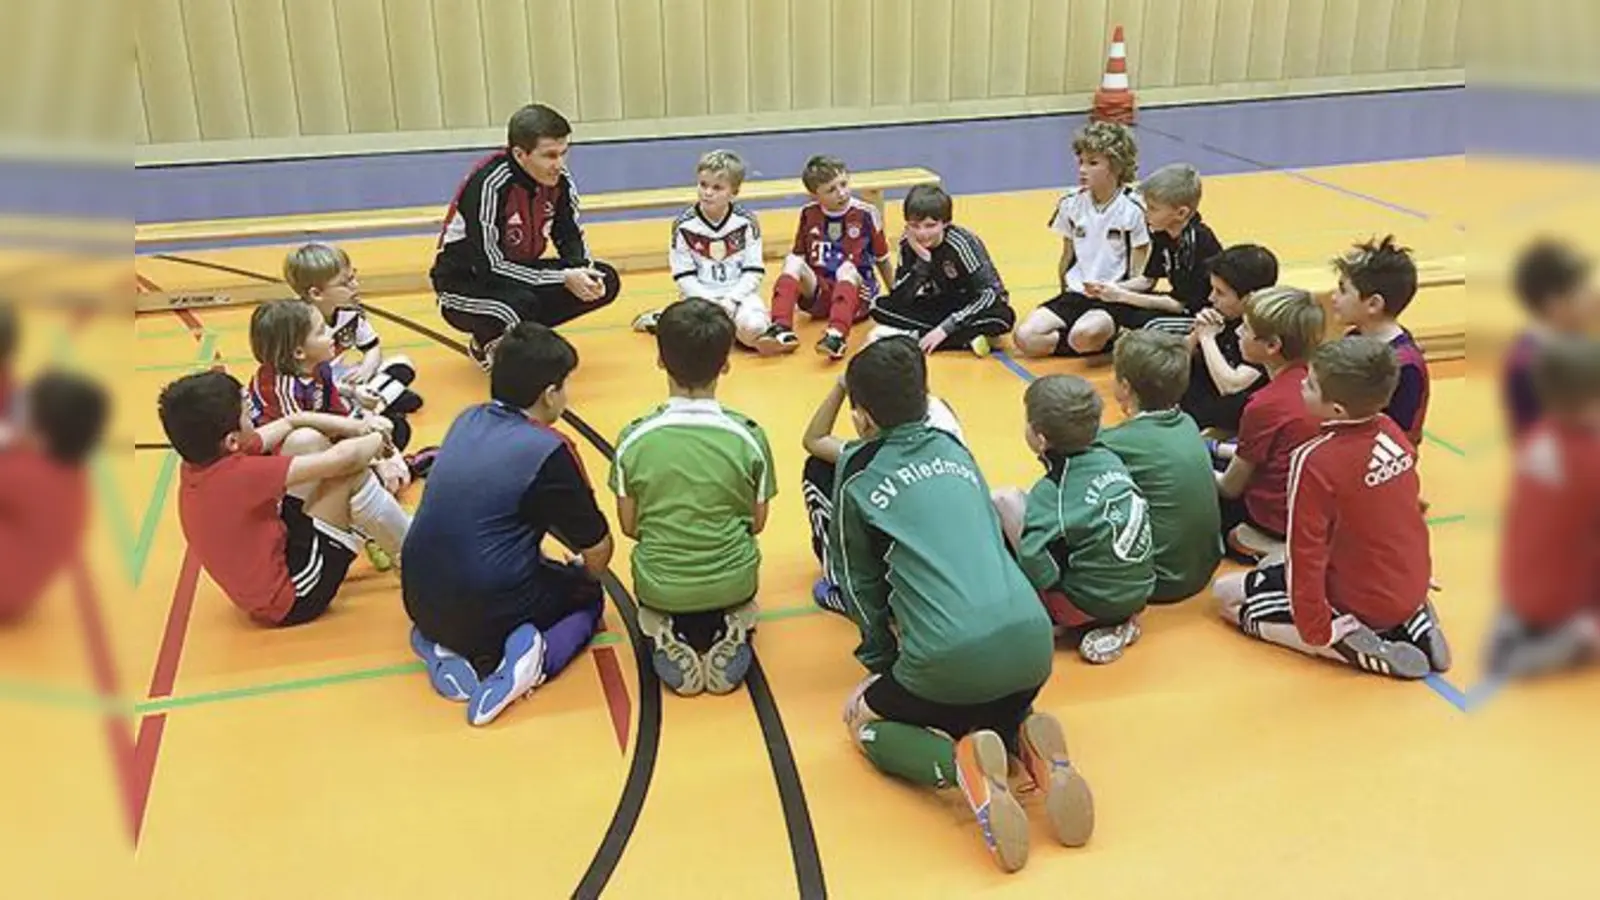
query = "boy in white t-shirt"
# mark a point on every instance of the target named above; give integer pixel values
(1104, 240)
(716, 252)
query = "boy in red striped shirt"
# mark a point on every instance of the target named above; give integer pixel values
(1354, 584)
(1550, 567)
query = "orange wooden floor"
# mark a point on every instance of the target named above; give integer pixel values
(316, 761)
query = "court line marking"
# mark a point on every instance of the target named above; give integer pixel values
(1435, 439)
(1290, 172)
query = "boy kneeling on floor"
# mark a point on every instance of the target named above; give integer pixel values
(1354, 584)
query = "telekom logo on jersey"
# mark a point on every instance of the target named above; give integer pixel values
(1389, 461)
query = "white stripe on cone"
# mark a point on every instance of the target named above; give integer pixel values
(1115, 81)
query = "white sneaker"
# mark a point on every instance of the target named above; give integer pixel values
(520, 671)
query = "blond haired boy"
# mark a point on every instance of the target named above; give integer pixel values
(1104, 240)
(716, 253)
(1282, 327)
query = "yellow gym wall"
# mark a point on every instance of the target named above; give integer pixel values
(228, 79)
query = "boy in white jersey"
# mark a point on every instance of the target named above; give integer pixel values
(716, 251)
(1104, 240)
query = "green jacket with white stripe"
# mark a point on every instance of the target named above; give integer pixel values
(920, 560)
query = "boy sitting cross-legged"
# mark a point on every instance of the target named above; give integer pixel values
(1082, 534)
(1163, 450)
(693, 480)
(270, 511)
(716, 253)
(953, 638)
(947, 293)
(1354, 584)
(494, 617)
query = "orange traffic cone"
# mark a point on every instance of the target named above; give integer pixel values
(1114, 101)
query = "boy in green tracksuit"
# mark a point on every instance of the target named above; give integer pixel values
(693, 480)
(1082, 534)
(955, 641)
(1167, 457)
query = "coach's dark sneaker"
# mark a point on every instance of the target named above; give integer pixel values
(776, 340)
(1364, 649)
(981, 770)
(1067, 799)
(421, 462)
(1423, 630)
(832, 345)
(479, 354)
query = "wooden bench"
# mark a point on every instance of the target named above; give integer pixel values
(869, 186)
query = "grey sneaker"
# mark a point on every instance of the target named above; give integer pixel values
(645, 323)
(731, 654)
(1067, 798)
(1364, 649)
(1424, 631)
(776, 340)
(679, 667)
(1105, 645)
(832, 345)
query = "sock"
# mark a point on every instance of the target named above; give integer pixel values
(785, 294)
(906, 751)
(378, 515)
(843, 305)
(566, 638)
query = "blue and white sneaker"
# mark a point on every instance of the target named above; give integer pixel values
(452, 677)
(520, 671)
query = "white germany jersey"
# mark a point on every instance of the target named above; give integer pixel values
(716, 259)
(1103, 238)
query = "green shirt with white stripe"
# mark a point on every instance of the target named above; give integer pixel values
(695, 471)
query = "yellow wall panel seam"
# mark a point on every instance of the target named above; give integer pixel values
(244, 78)
(294, 79)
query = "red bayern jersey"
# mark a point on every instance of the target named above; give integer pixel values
(1358, 541)
(274, 395)
(1550, 545)
(827, 240)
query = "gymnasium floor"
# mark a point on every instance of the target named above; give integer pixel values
(316, 761)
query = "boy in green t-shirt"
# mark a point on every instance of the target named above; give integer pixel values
(955, 642)
(693, 481)
(1167, 457)
(1082, 534)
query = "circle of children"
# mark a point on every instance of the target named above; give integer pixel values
(1246, 434)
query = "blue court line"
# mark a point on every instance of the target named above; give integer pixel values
(1292, 173)
(1016, 368)
(1451, 694)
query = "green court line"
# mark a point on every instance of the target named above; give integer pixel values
(1448, 520)
(1430, 436)
(603, 639)
(135, 550)
(61, 698)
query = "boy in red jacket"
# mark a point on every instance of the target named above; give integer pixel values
(1549, 565)
(1355, 580)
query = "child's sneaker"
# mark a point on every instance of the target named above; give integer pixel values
(1364, 649)
(645, 323)
(452, 677)
(980, 346)
(879, 332)
(1105, 645)
(1424, 631)
(520, 671)
(1067, 799)
(731, 654)
(680, 668)
(826, 595)
(421, 462)
(478, 353)
(1250, 545)
(832, 345)
(777, 339)
(981, 771)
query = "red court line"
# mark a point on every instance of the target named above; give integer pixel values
(123, 752)
(145, 285)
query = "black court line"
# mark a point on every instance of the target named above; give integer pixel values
(791, 792)
(138, 447)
